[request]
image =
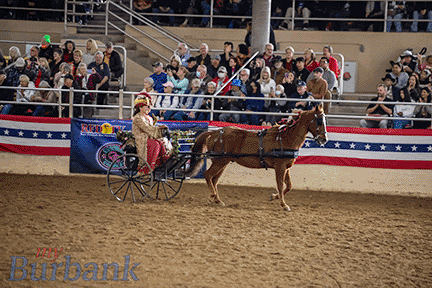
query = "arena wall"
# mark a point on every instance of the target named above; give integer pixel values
(304, 177)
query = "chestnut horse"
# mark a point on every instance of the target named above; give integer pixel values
(276, 147)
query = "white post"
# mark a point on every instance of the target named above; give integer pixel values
(261, 12)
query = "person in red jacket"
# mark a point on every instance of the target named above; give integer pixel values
(333, 64)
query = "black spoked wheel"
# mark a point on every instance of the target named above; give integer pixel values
(167, 186)
(130, 174)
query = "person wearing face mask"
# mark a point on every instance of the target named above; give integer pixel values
(202, 76)
(279, 106)
(278, 71)
(221, 80)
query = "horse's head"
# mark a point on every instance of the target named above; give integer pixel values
(317, 126)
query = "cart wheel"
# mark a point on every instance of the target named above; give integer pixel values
(167, 186)
(124, 176)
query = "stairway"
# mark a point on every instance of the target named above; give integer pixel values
(351, 109)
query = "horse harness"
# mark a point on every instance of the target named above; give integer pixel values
(275, 153)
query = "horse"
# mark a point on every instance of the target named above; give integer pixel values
(276, 147)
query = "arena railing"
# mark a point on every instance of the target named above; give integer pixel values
(122, 79)
(121, 106)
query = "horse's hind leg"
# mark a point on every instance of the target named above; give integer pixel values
(212, 176)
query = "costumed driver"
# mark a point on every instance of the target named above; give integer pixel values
(147, 134)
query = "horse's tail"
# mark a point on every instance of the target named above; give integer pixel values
(197, 162)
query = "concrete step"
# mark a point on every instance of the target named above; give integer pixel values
(347, 110)
(343, 122)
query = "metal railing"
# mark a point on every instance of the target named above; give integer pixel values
(121, 106)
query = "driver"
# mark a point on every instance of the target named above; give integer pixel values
(147, 134)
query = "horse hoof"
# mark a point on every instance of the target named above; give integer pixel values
(286, 208)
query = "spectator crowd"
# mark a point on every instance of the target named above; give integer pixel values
(59, 67)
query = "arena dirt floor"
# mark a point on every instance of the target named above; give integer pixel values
(329, 239)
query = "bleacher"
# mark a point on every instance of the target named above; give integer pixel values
(370, 51)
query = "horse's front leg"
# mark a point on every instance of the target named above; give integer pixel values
(288, 185)
(280, 179)
(212, 176)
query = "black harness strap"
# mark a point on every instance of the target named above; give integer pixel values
(261, 135)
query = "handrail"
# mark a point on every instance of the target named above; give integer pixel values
(122, 92)
(153, 25)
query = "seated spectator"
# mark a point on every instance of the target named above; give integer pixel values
(114, 61)
(318, 87)
(242, 54)
(413, 88)
(232, 104)
(233, 66)
(338, 9)
(159, 77)
(77, 60)
(14, 54)
(88, 79)
(256, 67)
(300, 11)
(408, 61)
(166, 101)
(288, 61)
(90, 51)
(389, 83)
(22, 96)
(14, 72)
(103, 70)
(279, 106)
(142, 6)
(215, 64)
(221, 80)
(44, 96)
(328, 75)
(423, 111)
(46, 50)
(395, 13)
(69, 82)
(306, 100)
(254, 105)
(235, 8)
(55, 64)
(267, 84)
(183, 52)
(421, 10)
(149, 89)
(300, 70)
(400, 76)
(69, 48)
(290, 84)
(332, 62)
(5, 94)
(202, 76)
(425, 78)
(204, 57)
(192, 65)
(163, 6)
(403, 111)
(41, 71)
(268, 55)
(425, 64)
(378, 110)
(181, 83)
(174, 64)
(245, 81)
(310, 60)
(207, 104)
(278, 72)
(187, 102)
(375, 10)
(2, 60)
(226, 55)
(58, 79)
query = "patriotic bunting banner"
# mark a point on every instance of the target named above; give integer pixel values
(357, 147)
(35, 135)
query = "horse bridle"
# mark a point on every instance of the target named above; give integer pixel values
(320, 122)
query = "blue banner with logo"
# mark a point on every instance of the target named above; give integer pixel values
(94, 145)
